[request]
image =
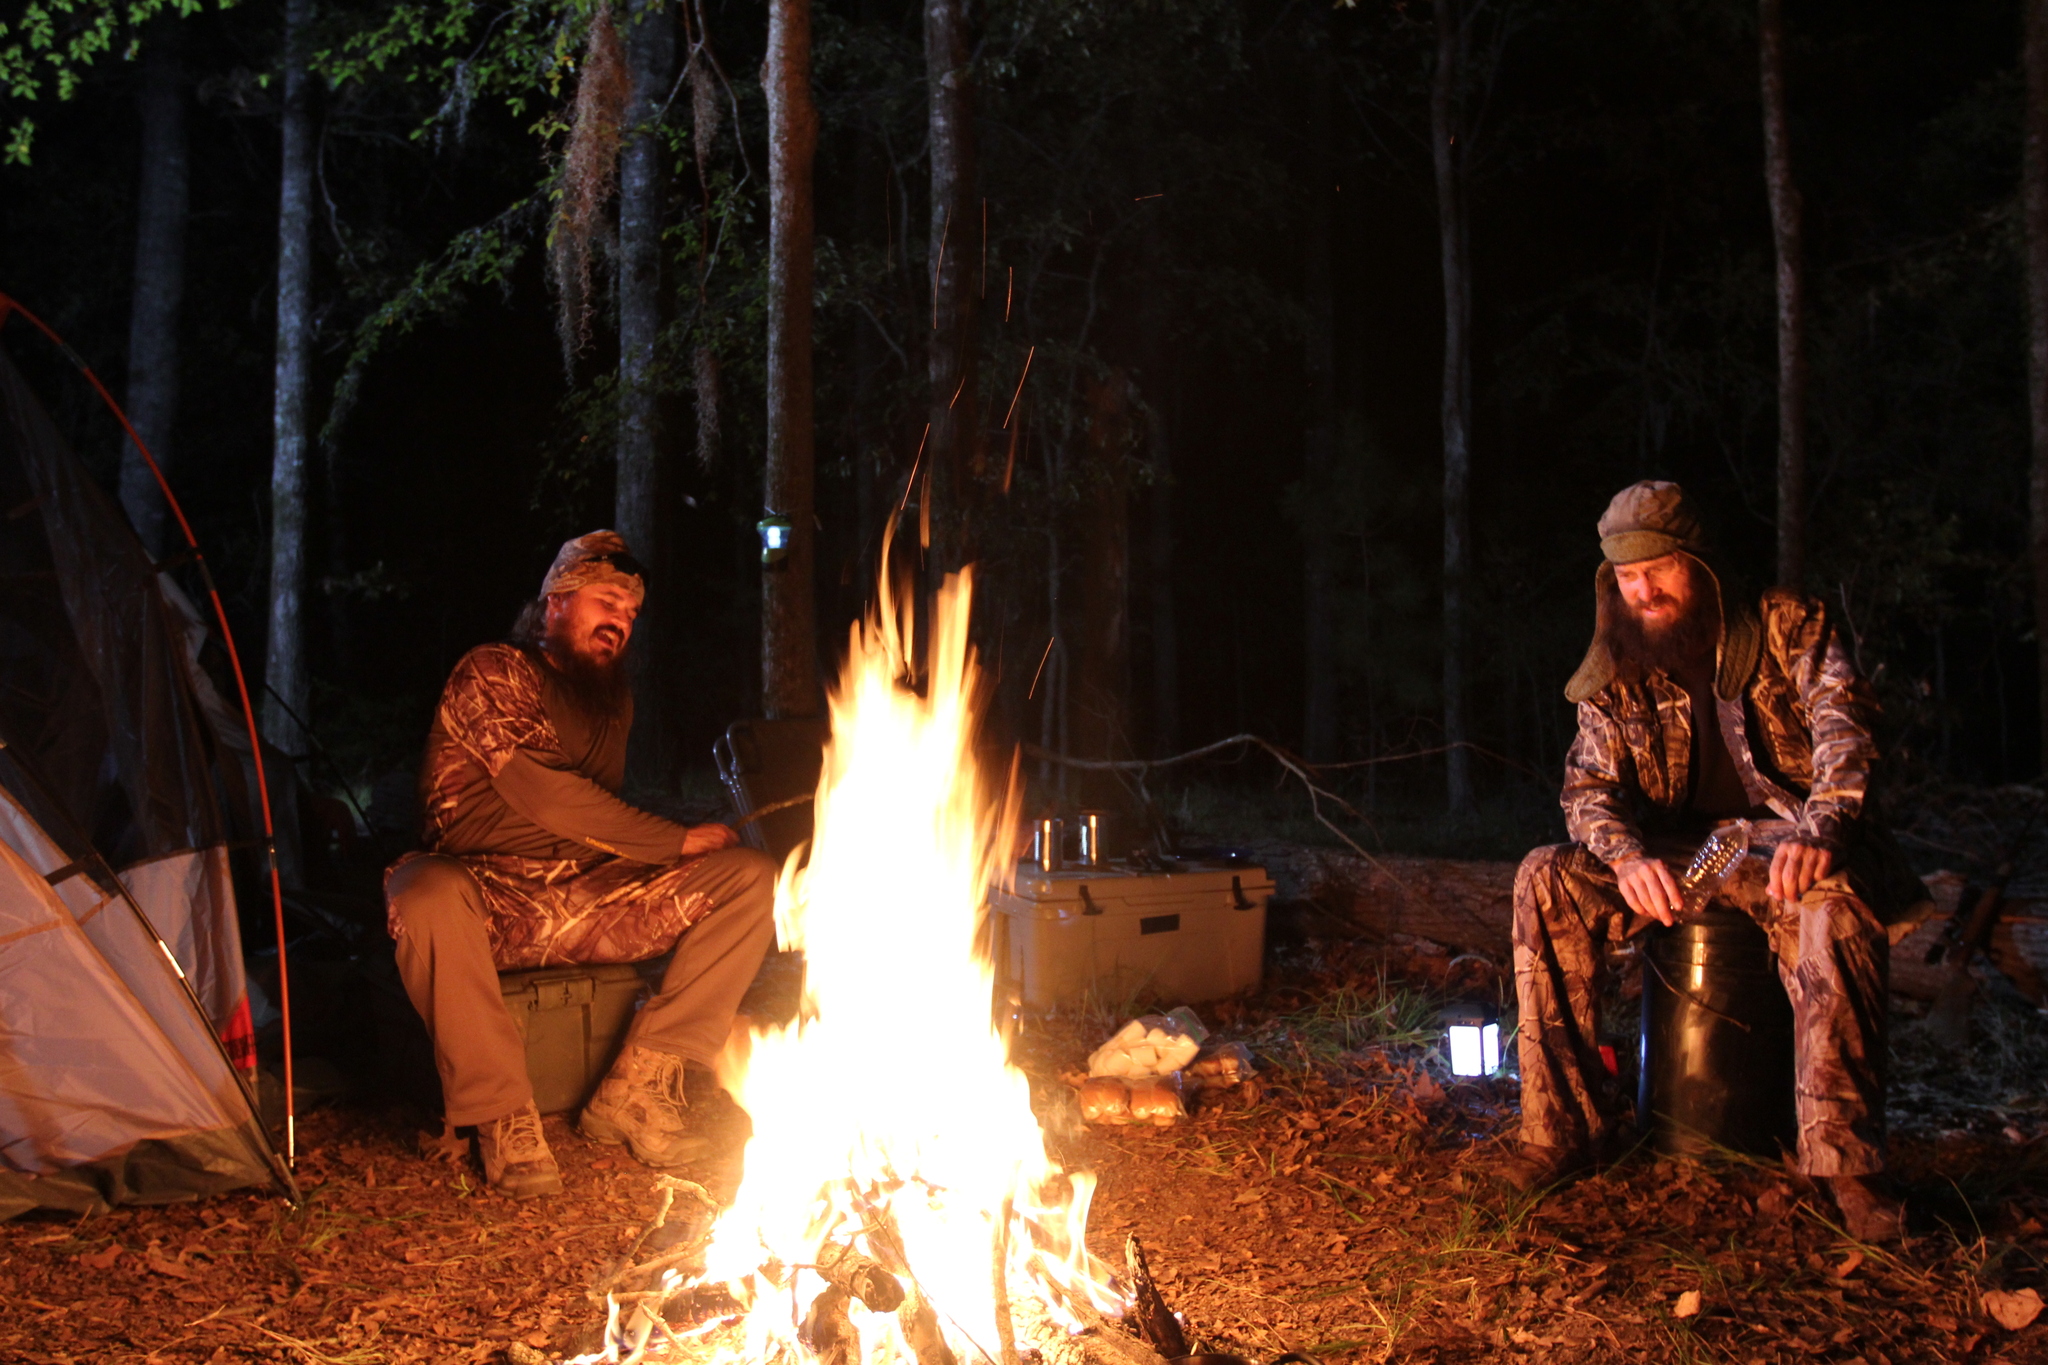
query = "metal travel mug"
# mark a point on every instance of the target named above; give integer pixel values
(1091, 838)
(1045, 844)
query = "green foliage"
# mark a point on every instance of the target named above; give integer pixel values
(48, 45)
(484, 255)
(519, 53)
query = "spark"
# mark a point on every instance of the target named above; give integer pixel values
(1020, 387)
(1041, 667)
(939, 268)
(904, 501)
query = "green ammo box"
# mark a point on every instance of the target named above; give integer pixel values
(573, 1020)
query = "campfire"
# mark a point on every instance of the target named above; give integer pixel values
(898, 1202)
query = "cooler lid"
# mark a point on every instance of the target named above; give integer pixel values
(1114, 890)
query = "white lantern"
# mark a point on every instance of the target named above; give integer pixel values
(1472, 1035)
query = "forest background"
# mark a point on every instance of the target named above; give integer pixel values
(1200, 330)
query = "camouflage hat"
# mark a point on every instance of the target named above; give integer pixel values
(1647, 520)
(598, 557)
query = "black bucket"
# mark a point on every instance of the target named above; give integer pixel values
(1717, 1039)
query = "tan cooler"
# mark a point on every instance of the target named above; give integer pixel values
(1115, 938)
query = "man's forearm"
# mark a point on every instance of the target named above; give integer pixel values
(572, 806)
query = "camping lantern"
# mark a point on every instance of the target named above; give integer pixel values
(776, 533)
(1473, 1033)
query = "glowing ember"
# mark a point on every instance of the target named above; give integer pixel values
(888, 1126)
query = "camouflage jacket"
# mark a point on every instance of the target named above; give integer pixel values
(1796, 716)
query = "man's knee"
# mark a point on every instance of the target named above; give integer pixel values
(1540, 878)
(429, 890)
(746, 880)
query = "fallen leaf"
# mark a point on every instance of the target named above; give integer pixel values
(1249, 1197)
(2011, 1309)
(167, 1267)
(103, 1260)
(1688, 1304)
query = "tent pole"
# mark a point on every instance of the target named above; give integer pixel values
(220, 616)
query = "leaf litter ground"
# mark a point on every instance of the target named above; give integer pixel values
(1339, 1204)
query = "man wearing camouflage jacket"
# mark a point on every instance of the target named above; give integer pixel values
(531, 859)
(1697, 707)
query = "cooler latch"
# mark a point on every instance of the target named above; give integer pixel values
(1237, 896)
(560, 993)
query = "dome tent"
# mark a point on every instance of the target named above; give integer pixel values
(125, 1043)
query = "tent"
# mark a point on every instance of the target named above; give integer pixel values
(126, 1051)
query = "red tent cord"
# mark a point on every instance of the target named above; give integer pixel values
(220, 615)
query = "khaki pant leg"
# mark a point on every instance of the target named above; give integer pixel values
(1566, 902)
(715, 960)
(444, 958)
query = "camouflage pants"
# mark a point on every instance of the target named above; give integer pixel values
(1832, 956)
(458, 922)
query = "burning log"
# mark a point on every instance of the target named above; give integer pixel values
(844, 1268)
(921, 1330)
(1156, 1324)
(1101, 1344)
(829, 1330)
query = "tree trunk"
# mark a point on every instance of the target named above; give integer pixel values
(1446, 108)
(789, 647)
(650, 41)
(1785, 231)
(956, 227)
(284, 670)
(2034, 180)
(1165, 622)
(1101, 676)
(1319, 440)
(163, 201)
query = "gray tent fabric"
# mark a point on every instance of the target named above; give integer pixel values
(107, 1093)
(125, 1033)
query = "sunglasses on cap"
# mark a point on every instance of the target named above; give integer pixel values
(621, 561)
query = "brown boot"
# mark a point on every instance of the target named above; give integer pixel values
(1867, 1214)
(641, 1104)
(516, 1156)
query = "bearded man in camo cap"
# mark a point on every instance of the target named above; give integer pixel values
(1699, 706)
(532, 860)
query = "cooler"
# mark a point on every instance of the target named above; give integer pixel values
(1116, 936)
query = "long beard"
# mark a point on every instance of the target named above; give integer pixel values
(1683, 649)
(601, 688)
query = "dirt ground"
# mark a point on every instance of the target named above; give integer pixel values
(1338, 1205)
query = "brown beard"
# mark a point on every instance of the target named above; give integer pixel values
(599, 688)
(1684, 649)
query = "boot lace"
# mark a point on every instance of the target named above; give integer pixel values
(518, 1136)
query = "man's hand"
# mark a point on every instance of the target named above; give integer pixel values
(1649, 888)
(1795, 867)
(708, 839)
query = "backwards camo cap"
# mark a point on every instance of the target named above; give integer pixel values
(598, 557)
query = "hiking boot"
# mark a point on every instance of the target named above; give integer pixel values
(1534, 1168)
(1867, 1214)
(516, 1158)
(641, 1103)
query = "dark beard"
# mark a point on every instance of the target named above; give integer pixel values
(600, 689)
(1682, 650)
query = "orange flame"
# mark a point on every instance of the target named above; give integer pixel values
(887, 1118)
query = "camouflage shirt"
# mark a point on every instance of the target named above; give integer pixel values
(1799, 728)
